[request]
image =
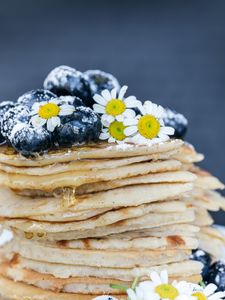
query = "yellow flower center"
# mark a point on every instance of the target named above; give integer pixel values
(167, 291)
(148, 126)
(199, 296)
(115, 107)
(116, 130)
(48, 111)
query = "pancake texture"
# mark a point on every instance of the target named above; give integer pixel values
(94, 215)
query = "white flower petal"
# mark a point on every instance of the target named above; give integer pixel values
(106, 95)
(121, 142)
(36, 106)
(130, 130)
(54, 101)
(99, 108)
(131, 102)
(110, 119)
(99, 99)
(36, 121)
(66, 110)
(162, 137)
(104, 136)
(131, 294)
(114, 93)
(155, 278)
(164, 276)
(217, 296)
(120, 118)
(52, 123)
(105, 123)
(129, 114)
(167, 130)
(210, 289)
(142, 110)
(122, 92)
(111, 140)
(130, 122)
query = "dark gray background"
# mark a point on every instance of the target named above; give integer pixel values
(170, 51)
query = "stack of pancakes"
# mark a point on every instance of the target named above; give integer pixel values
(91, 216)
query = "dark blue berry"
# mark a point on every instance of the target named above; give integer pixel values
(204, 258)
(99, 81)
(177, 121)
(15, 115)
(30, 141)
(216, 275)
(33, 96)
(83, 126)
(71, 100)
(65, 80)
(4, 107)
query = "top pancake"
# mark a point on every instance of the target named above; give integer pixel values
(95, 151)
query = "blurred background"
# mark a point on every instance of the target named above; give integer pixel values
(172, 52)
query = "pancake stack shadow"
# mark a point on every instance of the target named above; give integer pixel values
(92, 216)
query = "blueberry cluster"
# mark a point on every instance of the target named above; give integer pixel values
(65, 80)
(83, 126)
(72, 87)
(211, 273)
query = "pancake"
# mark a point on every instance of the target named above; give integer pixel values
(205, 180)
(184, 268)
(166, 177)
(96, 258)
(85, 164)
(92, 285)
(203, 218)
(101, 220)
(162, 231)
(212, 241)
(156, 207)
(153, 243)
(12, 205)
(188, 154)
(175, 176)
(77, 178)
(11, 290)
(96, 151)
(211, 199)
(150, 220)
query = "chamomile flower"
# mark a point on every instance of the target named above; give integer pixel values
(148, 127)
(141, 293)
(113, 106)
(113, 132)
(49, 113)
(207, 293)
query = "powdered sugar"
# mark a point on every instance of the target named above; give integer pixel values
(59, 76)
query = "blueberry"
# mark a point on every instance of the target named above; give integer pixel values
(4, 107)
(33, 96)
(204, 258)
(83, 126)
(65, 80)
(30, 141)
(177, 121)
(216, 275)
(99, 81)
(15, 115)
(72, 100)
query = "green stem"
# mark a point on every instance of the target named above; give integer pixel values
(119, 287)
(135, 283)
